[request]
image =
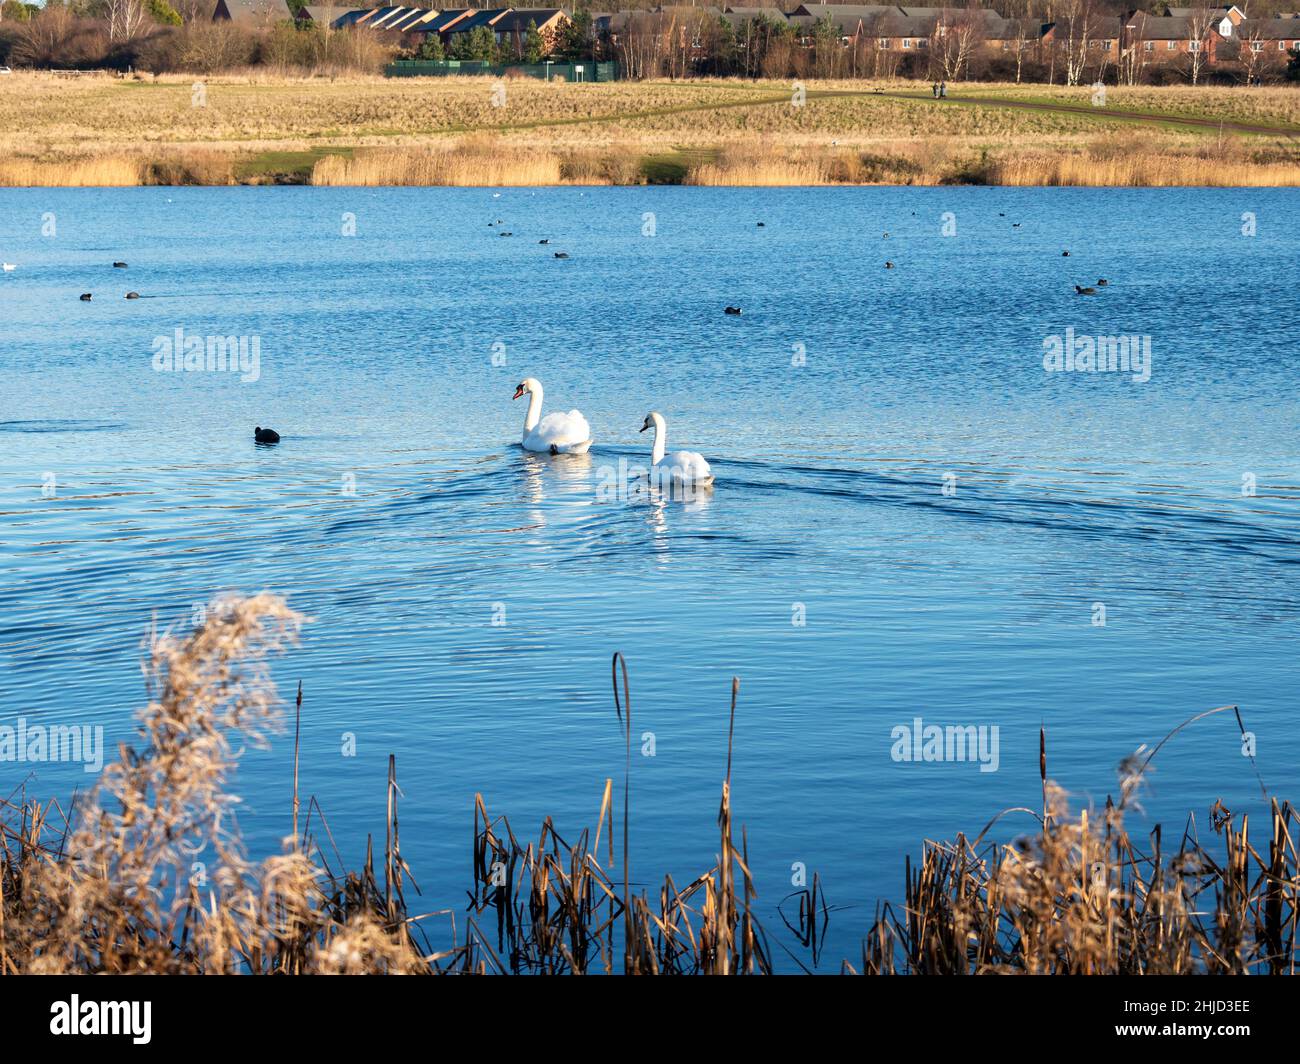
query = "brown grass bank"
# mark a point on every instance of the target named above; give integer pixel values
(262, 128)
(109, 886)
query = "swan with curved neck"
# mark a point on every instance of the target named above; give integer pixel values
(557, 432)
(681, 467)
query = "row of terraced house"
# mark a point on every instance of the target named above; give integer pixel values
(507, 24)
(1184, 32)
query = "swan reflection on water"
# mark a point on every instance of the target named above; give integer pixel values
(567, 476)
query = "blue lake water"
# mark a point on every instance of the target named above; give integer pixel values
(399, 515)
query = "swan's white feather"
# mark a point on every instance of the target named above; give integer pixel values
(564, 432)
(686, 466)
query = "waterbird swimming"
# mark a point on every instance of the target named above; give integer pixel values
(261, 435)
(85, 297)
(557, 432)
(133, 295)
(119, 265)
(731, 310)
(681, 467)
(1085, 291)
(561, 254)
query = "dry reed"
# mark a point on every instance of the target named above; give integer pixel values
(468, 164)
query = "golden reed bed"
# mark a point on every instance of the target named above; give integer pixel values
(110, 887)
(1123, 160)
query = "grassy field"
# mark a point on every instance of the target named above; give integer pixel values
(105, 130)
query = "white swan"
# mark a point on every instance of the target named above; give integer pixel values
(556, 432)
(9, 266)
(681, 467)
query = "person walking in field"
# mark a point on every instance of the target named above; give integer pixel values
(934, 90)
(943, 90)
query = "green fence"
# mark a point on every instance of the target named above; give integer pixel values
(440, 68)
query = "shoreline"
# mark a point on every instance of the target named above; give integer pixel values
(458, 165)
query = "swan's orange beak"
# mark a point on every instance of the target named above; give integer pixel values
(518, 392)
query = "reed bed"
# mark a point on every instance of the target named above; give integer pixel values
(480, 161)
(1142, 169)
(147, 872)
(170, 167)
(93, 172)
(759, 166)
(440, 165)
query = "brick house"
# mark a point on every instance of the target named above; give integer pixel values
(513, 29)
(1171, 37)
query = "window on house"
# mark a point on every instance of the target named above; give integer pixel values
(1172, 45)
(1150, 46)
(1193, 46)
(883, 42)
(907, 43)
(1256, 46)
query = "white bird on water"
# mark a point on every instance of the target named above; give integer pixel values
(686, 468)
(8, 266)
(557, 432)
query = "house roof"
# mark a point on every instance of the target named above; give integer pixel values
(1020, 29)
(354, 17)
(411, 19)
(750, 13)
(444, 20)
(517, 19)
(476, 19)
(1157, 28)
(900, 26)
(251, 11)
(1188, 12)
(1269, 29)
(611, 22)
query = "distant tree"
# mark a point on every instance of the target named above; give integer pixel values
(534, 45)
(1293, 65)
(163, 13)
(17, 11)
(478, 44)
(1199, 23)
(726, 48)
(575, 40)
(431, 49)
